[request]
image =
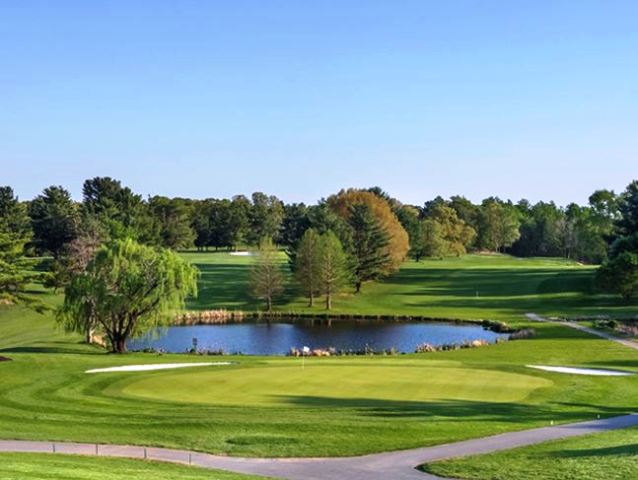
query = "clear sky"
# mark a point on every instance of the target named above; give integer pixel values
(530, 98)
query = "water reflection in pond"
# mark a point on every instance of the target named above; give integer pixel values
(262, 338)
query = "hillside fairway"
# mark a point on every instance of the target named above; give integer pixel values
(498, 287)
(609, 456)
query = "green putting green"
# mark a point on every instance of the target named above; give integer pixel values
(278, 385)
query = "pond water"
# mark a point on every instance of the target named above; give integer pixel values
(276, 338)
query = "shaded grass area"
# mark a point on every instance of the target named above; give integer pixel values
(471, 287)
(610, 455)
(30, 466)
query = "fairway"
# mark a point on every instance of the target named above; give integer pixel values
(497, 287)
(280, 385)
(271, 406)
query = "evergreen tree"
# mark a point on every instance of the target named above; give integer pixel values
(369, 244)
(334, 271)
(627, 224)
(16, 270)
(54, 219)
(172, 217)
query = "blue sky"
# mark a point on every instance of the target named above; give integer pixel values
(534, 99)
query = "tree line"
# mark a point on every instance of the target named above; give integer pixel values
(115, 245)
(438, 228)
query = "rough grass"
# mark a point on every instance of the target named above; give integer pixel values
(472, 287)
(609, 456)
(29, 466)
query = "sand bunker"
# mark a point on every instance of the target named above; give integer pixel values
(582, 371)
(155, 366)
(241, 254)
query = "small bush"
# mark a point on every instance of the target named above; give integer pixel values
(523, 334)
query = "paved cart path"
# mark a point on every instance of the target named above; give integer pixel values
(399, 465)
(582, 328)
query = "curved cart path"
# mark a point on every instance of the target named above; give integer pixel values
(398, 465)
(608, 336)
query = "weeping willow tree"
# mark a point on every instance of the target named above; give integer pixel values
(127, 290)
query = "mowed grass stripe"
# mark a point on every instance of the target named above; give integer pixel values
(45, 395)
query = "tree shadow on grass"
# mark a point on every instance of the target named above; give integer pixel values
(617, 363)
(56, 347)
(459, 410)
(619, 450)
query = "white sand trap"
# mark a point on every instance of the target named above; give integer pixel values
(155, 366)
(241, 254)
(582, 371)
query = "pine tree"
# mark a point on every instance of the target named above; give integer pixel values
(370, 242)
(333, 267)
(16, 270)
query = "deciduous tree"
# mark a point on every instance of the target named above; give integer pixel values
(126, 290)
(266, 277)
(307, 264)
(620, 275)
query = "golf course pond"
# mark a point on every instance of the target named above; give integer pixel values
(278, 337)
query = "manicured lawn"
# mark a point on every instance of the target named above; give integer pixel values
(471, 287)
(335, 406)
(609, 456)
(29, 466)
(401, 380)
(217, 409)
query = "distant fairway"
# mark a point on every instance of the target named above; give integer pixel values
(279, 385)
(472, 287)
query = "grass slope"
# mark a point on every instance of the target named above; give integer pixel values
(471, 287)
(608, 456)
(14, 466)
(48, 396)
